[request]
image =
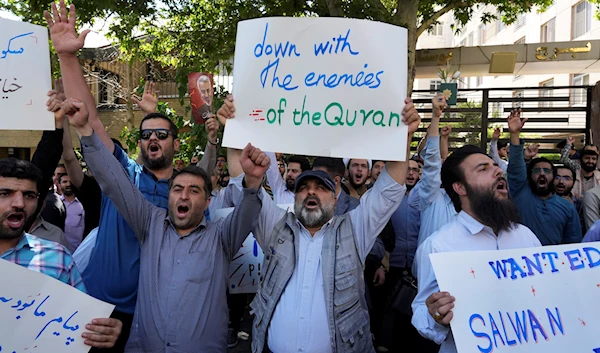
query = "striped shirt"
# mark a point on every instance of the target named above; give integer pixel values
(47, 257)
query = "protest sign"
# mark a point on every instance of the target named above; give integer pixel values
(41, 314)
(524, 300)
(245, 269)
(316, 86)
(24, 76)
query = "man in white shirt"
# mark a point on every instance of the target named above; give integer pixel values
(487, 220)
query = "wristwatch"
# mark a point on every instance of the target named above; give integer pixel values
(214, 143)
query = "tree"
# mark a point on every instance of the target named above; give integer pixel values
(199, 34)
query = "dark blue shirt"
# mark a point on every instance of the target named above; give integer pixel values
(113, 273)
(553, 220)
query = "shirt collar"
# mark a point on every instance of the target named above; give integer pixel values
(148, 172)
(472, 225)
(62, 198)
(202, 225)
(26, 240)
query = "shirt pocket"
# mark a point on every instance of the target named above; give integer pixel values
(200, 266)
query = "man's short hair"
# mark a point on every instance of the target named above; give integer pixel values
(502, 143)
(60, 176)
(333, 166)
(20, 169)
(197, 171)
(222, 156)
(535, 161)
(303, 161)
(573, 174)
(584, 153)
(61, 165)
(452, 172)
(172, 127)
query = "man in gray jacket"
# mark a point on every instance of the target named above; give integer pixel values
(184, 260)
(312, 297)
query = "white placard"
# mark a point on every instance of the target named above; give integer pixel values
(316, 86)
(245, 269)
(24, 76)
(41, 314)
(525, 300)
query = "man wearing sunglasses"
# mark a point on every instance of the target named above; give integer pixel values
(552, 218)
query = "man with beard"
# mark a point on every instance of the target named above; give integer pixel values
(588, 176)
(20, 183)
(487, 220)
(75, 222)
(184, 258)
(283, 192)
(312, 297)
(553, 219)
(358, 173)
(563, 185)
(375, 171)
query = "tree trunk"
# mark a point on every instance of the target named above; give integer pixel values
(406, 16)
(128, 90)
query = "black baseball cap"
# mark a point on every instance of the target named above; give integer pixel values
(314, 174)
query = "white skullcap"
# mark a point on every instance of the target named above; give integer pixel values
(347, 160)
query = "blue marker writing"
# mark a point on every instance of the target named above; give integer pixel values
(9, 51)
(72, 328)
(40, 313)
(58, 319)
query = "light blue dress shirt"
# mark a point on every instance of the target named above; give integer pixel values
(463, 234)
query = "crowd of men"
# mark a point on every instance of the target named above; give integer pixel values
(346, 271)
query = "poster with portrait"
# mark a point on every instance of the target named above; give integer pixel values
(201, 90)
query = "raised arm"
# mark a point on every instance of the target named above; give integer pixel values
(494, 151)
(444, 141)
(381, 201)
(275, 179)
(517, 170)
(109, 173)
(245, 216)
(209, 158)
(565, 157)
(431, 179)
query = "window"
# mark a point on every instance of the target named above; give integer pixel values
(470, 40)
(578, 96)
(518, 94)
(479, 81)
(546, 93)
(434, 85)
(548, 31)
(480, 35)
(521, 21)
(437, 29)
(461, 83)
(582, 19)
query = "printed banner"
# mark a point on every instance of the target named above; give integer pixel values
(524, 300)
(245, 270)
(315, 86)
(24, 77)
(201, 90)
(41, 314)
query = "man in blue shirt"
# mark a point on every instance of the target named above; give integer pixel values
(553, 219)
(113, 271)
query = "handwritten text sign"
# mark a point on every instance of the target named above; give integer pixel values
(317, 86)
(245, 269)
(24, 76)
(41, 314)
(524, 300)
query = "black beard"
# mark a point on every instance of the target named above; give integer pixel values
(290, 185)
(543, 193)
(156, 164)
(588, 168)
(68, 192)
(498, 214)
(9, 234)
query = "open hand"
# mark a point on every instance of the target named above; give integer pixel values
(515, 123)
(149, 100)
(496, 134)
(62, 29)
(410, 116)
(105, 333)
(227, 110)
(76, 111)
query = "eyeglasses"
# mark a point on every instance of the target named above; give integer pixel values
(540, 170)
(414, 170)
(161, 134)
(563, 177)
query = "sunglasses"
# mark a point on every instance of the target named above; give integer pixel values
(161, 134)
(540, 170)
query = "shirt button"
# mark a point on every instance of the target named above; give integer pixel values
(168, 345)
(301, 317)
(173, 287)
(178, 261)
(170, 315)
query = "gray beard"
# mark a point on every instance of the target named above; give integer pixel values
(313, 219)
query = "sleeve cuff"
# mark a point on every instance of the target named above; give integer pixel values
(91, 143)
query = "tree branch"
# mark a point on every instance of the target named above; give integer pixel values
(335, 8)
(433, 19)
